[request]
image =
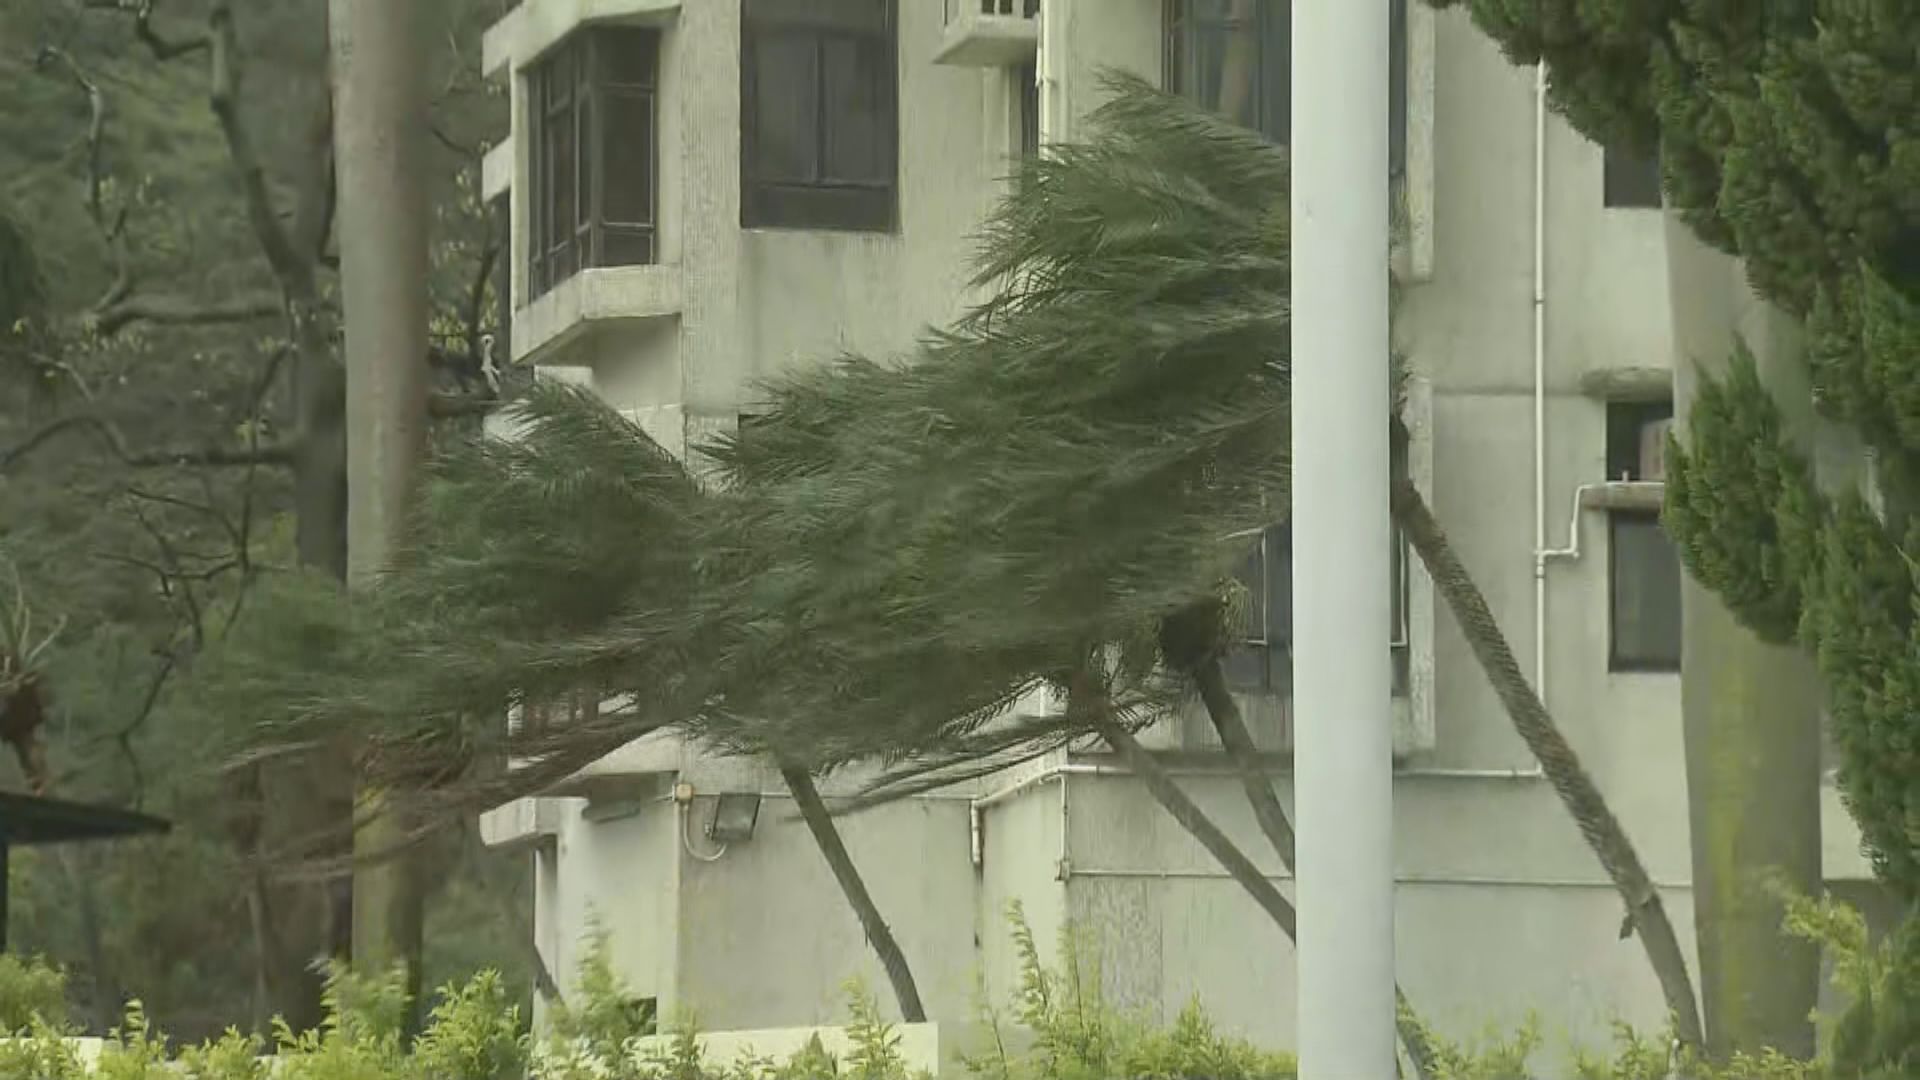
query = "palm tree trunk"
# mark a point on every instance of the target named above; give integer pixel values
(813, 810)
(1604, 834)
(1232, 728)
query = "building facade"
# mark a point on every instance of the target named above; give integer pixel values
(703, 192)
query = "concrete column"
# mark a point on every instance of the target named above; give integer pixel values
(1342, 680)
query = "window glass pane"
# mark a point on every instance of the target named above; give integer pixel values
(627, 141)
(1276, 71)
(583, 170)
(1028, 90)
(1645, 576)
(560, 147)
(1280, 583)
(786, 108)
(628, 56)
(1632, 179)
(1397, 89)
(626, 247)
(1631, 425)
(854, 74)
(1232, 56)
(1252, 576)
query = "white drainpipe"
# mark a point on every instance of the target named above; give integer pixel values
(1540, 383)
(976, 811)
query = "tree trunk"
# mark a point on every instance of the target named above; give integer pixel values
(380, 133)
(1750, 711)
(1646, 914)
(301, 923)
(827, 837)
(1241, 750)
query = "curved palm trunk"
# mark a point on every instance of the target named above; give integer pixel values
(1238, 866)
(813, 810)
(1232, 728)
(1603, 832)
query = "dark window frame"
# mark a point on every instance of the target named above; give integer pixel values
(1630, 179)
(568, 96)
(1266, 645)
(1627, 424)
(1637, 660)
(1026, 111)
(819, 202)
(1180, 50)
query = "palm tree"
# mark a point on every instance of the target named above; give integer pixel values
(901, 552)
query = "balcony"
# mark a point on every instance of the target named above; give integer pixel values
(533, 27)
(990, 33)
(593, 301)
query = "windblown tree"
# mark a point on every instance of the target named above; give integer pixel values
(162, 159)
(900, 552)
(1785, 134)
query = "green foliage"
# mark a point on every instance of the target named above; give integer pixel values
(603, 1015)
(1741, 539)
(1077, 1035)
(30, 989)
(874, 569)
(1785, 136)
(147, 565)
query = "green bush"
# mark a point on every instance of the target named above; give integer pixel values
(30, 989)
(1066, 1031)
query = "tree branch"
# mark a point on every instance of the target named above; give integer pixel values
(116, 443)
(223, 97)
(180, 311)
(142, 10)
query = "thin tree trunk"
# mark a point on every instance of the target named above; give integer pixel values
(1191, 818)
(297, 921)
(1241, 750)
(813, 810)
(380, 132)
(1646, 914)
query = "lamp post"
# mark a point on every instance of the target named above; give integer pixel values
(1341, 534)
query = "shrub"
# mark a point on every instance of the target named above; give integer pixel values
(29, 989)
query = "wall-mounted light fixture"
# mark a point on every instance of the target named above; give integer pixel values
(735, 814)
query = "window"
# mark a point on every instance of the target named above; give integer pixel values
(1263, 662)
(1026, 91)
(1235, 57)
(819, 114)
(1643, 569)
(591, 111)
(1631, 179)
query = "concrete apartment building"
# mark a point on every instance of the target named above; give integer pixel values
(702, 192)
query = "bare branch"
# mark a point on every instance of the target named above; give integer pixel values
(450, 406)
(224, 98)
(180, 311)
(142, 11)
(116, 443)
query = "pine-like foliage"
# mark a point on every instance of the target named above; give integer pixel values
(895, 552)
(1786, 134)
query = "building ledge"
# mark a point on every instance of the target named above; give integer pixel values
(1628, 384)
(1624, 495)
(977, 39)
(594, 298)
(538, 25)
(521, 823)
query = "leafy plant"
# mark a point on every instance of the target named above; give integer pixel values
(31, 989)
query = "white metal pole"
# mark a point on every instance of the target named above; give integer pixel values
(1341, 536)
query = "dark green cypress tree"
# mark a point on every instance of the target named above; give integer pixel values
(1787, 136)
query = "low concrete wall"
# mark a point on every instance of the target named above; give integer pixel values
(920, 1045)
